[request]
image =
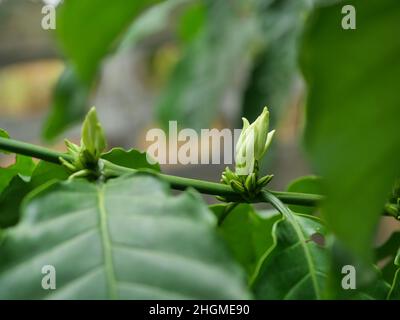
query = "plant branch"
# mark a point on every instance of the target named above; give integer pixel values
(218, 189)
(176, 182)
(32, 150)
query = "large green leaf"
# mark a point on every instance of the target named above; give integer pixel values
(126, 239)
(88, 29)
(47, 173)
(248, 233)
(352, 131)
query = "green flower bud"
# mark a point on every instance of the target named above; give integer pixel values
(251, 182)
(262, 182)
(85, 158)
(93, 139)
(253, 143)
(237, 187)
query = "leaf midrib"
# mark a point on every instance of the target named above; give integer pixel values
(106, 243)
(310, 262)
(290, 216)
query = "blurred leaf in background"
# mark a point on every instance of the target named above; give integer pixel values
(247, 46)
(87, 31)
(275, 66)
(266, 42)
(157, 19)
(209, 64)
(68, 104)
(353, 115)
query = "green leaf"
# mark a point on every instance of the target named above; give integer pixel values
(69, 104)
(127, 239)
(88, 30)
(133, 159)
(14, 194)
(191, 22)
(10, 201)
(387, 253)
(352, 131)
(390, 247)
(23, 166)
(368, 279)
(248, 233)
(307, 184)
(45, 172)
(275, 66)
(296, 266)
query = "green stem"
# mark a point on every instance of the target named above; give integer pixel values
(218, 189)
(176, 182)
(32, 150)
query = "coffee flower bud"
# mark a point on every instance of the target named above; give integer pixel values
(85, 159)
(93, 141)
(253, 143)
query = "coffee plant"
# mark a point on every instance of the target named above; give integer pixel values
(105, 222)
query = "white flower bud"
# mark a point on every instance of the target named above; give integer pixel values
(253, 143)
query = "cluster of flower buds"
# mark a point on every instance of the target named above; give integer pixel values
(247, 186)
(85, 158)
(252, 145)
